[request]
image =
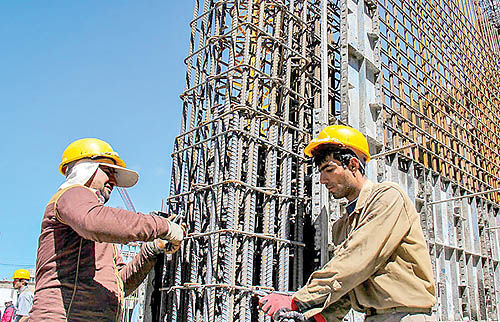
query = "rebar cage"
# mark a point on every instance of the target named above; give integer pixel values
(239, 175)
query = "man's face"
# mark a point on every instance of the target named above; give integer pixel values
(104, 181)
(17, 283)
(337, 179)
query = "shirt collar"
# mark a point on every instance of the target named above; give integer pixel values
(364, 194)
(351, 206)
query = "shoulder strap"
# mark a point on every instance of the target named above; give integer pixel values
(56, 197)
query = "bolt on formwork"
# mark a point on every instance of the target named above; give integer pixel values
(492, 9)
(418, 78)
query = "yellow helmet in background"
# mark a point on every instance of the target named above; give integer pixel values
(344, 137)
(89, 148)
(21, 273)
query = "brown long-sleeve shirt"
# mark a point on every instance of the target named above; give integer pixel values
(80, 276)
(380, 259)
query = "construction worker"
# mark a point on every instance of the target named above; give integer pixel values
(8, 313)
(381, 265)
(80, 275)
(24, 295)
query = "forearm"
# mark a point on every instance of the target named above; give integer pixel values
(114, 226)
(363, 252)
(336, 311)
(80, 209)
(133, 273)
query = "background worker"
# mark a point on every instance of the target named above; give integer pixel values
(80, 275)
(381, 265)
(8, 313)
(24, 295)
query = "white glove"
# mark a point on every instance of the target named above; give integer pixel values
(171, 241)
(175, 233)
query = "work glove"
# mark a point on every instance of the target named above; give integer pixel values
(167, 247)
(271, 303)
(153, 247)
(285, 315)
(171, 241)
(175, 233)
(158, 246)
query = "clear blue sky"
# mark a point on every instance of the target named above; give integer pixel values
(73, 69)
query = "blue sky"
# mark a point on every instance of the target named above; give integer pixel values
(73, 69)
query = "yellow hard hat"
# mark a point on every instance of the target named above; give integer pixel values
(343, 136)
(22, 273)
(98, 149)
(89, 148)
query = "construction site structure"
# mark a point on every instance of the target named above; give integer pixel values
(136, 300)
(419, 78)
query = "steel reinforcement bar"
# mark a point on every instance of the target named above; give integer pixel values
(239, 173)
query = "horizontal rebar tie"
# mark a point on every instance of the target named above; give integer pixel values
(266, 191)
(464, 196)
(245, 233)
(257, 290)
(241, 133)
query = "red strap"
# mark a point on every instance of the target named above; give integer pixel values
(294, 306)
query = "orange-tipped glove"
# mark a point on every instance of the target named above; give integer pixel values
(166, 247)
(271, 303)
(171, 246)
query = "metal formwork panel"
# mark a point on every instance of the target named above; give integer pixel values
(439, 75)
(436, 89)
(439, 88)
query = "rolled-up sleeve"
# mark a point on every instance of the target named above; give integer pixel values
(383, 224)
(79, 208)
(338, 310)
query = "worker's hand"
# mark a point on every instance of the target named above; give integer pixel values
(285, 315)
(153, 247)
(166, 246)
(271, 303)
(172, 247)
(175, 233)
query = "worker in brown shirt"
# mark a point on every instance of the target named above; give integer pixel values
(80, 276)
(381, 265)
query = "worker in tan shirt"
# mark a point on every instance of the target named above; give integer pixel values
(381, 265)
(80, 275)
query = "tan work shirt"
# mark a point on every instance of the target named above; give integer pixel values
(380, 259)
(80, 276)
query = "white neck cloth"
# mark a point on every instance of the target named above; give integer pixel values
(80, 173)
